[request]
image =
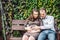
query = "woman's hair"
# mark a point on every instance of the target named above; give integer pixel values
(31, 17)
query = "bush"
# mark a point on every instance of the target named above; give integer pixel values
(21, 9)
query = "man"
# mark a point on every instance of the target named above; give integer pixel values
(47, 28)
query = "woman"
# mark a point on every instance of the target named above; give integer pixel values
(32, 28)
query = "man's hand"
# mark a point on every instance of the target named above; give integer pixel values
(42, 27)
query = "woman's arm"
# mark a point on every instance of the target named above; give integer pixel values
(36, 29)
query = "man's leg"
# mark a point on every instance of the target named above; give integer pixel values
(42, 36)
(51, 35)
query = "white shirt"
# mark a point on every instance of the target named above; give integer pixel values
(48, 23)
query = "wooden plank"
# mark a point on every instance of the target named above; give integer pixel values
(15, 27)
(0, 24)
(1, 38)
(58, 35)
(18, 21)
(15, 38)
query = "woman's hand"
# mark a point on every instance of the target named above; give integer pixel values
(42, 27)
(27, 28)
(36, 27)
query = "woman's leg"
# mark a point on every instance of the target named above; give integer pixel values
(31, 38)
(25, 37)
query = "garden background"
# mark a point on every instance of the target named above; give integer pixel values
(21, 9)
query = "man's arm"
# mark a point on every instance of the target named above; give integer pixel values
(50, 23)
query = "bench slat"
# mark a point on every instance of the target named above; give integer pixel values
(15, 38)
(18, 21)
(15, 27)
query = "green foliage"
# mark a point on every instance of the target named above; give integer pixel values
(52, 8)
(22, 8)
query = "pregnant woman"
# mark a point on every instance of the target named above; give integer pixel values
(32, 26)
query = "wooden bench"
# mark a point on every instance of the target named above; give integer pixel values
(19, 25)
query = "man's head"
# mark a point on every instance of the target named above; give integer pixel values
(42, 12)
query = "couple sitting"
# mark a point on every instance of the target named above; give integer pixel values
(39, 26)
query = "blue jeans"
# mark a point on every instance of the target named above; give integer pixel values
(47, 33)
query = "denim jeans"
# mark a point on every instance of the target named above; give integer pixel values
(47, 33)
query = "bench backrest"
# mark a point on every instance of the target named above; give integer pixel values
(18, 24)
